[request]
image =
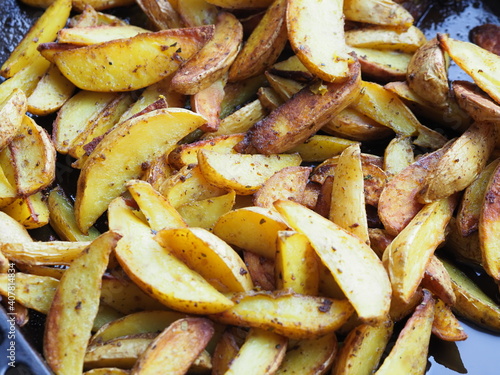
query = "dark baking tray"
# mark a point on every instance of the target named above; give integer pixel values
(478, 355)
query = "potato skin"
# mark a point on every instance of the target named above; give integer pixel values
(487, 36)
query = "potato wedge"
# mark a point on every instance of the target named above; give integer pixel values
(307, 23)
(241, 4)
(378, 12)
(461, 163)
(386, 38)
(44, 30)
(84, 36)
(31, 211)
(465, 249)
(12, 112)
(409, 354)
(297, 119)
(64, 348)
(263, 46)
(245, 174)
(445, 325)
(208, 255)
(382, 65)
(251, 228)
(261, 353)
(295, 316)
(107, 371)
(43, 253)
(197, 12)
(157, 271)
(119, 68)
(115, 160)
(367, 285)
(176, 348)
(398, 155)
(320, 147)
(480, 64)
(475, 101)
(437, 280)
(161, 13)
(213, 61)
(489, 224)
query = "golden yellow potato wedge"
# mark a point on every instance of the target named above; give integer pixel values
(83, 36)
(31, 291)
(378, 12)
(12, 112)
(366, 284)
(445, 325)
(347, 208)
(386, 38)
(363, 349)
(137, 323)
(310, 357)
(157, 271)
(245, 174)
(43, 253)
(480, 64)
(409, 354)
(132, 63)
(176, 348)
(472, 303)
(62, 218)
(297, 119)
(122, 352)
(158, 211)
(107, 371)
(12, 231)
(292, 315)
(437, 280)
(117, 158)
(100, 4)
(411, 250)
(261, 353)
(475, 101)
(207, 103)
(161, 13)
(31, 211)
(8, 193)
(208, 255)
(44, 30)
(263, 46)
(472, 201)
(197, 12)
(212, 62)
(461, 162)
(465, 249)
(489, 226)
(398, 202)
(204, 213)
(398, 155)
(296, 264)
(321, 147)
(383, 65)
(71, 314)
(307, 23)
(251, 228)
(428, 74)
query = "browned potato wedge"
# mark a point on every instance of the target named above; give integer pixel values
(71, 314)
(411, 250)
(297, 119)
(241, 4)
(378, 12)
(489, 226)
(295, 316)
(461, 162)
(176, 348)
(383, 65)
(487, 36)
(437, 280)
(107, 371)
(307, 23)
(12, 112)
(100, 4)
(159, 272)
(161, 13)
(108, 166)
(261, 270)
(119, 68)
(409, 354)
(44, 30)
(445, 325)
(367, 285)
(245, 174)
(363, 349)
(480, 64)
(212, 62)
(197, 12)
(475, 101)
(465, 249)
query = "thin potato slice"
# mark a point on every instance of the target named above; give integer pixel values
(307, 24)
(295, 316)
(411, 250)
(12, 112)
(130, 64)
(44, 30)
(157, 271)
(208, 255)
(117, 159)
(261, 353)
(245, 174)
(489, 226)
(480, 64)
(409, 354)
(176, 348)
(356, 268)
(71, 314)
